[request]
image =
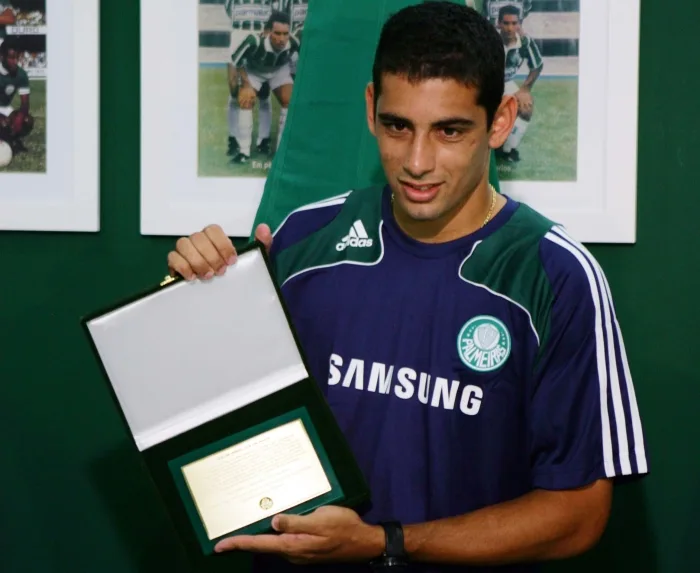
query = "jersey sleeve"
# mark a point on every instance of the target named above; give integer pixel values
(246, 48)
(23, 83)
(532, 54)
(304, 221)
(585, 422)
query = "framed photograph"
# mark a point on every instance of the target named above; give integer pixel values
(49, 115)
(573, 66)
(214, 109)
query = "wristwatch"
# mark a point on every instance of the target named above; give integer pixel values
(394, 556)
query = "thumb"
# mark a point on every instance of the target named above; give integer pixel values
(264, 235)
(286, 523)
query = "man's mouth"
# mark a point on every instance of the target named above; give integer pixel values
(420, 192)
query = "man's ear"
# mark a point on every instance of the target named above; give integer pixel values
(369, 102)
(503, 121)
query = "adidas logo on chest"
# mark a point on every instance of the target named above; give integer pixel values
(356, 237)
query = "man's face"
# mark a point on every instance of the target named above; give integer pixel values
(279, 36)
(433, 143)
(509, 27)
(9, 61)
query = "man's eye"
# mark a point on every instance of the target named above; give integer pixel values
(451, 132)
(396, 126)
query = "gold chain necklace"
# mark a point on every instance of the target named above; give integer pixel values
(488, 215)
(493, 204)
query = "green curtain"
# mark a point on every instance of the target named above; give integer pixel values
(327, 148)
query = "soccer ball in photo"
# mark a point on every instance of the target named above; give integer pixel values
(5, 154)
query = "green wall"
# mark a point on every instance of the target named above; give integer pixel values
(74, 497)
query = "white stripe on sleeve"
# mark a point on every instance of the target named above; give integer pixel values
(615, 334)
(600, 353)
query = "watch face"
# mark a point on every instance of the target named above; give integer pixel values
(385, 562)
(388, 563)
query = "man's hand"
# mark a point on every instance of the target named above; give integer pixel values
(525, 102)
(246, 97)
(329, 534)
(209, 252)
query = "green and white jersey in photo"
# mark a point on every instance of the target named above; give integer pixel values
(257, 55)
(11, 85)
(524, 50)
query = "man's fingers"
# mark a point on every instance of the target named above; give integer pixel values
(264, 235)
(186, 249)
(222, 243)
(287, 523)
(294, 548)
(246, 97)
(255, 543)
(209, 252)
(178, 265)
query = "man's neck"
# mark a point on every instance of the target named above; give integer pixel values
(512, 42)
(466, 218)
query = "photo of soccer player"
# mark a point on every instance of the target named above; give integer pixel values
(247, 60)
(23, 86)
(541, 41)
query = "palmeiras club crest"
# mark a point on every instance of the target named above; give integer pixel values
(484, 343)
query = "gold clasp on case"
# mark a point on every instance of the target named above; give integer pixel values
(168, 279)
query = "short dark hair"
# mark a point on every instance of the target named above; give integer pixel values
(10, 43)
(508, 10)
(442, 39)
(279, 17)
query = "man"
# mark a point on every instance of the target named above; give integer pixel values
(14, 124)
(467, 346)
(519, 48)
(296, 10)
(247, 16)
(260, 59)
(491, 8)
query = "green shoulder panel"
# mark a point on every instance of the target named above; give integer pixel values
(352, 237)
(508, 264)
(22, 78)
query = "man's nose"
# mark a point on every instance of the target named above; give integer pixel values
(421, 156)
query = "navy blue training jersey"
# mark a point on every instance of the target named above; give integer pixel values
(464, 373)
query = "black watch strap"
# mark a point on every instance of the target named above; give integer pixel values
(394, 539)
(394, 554)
